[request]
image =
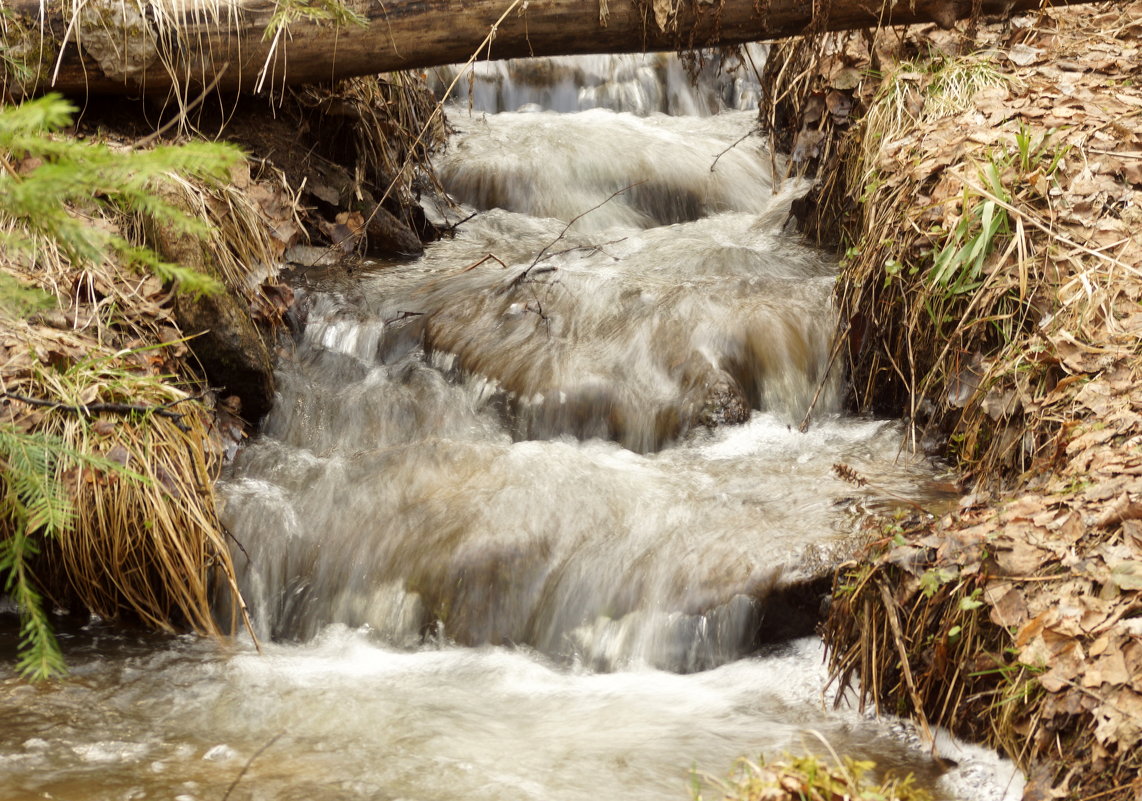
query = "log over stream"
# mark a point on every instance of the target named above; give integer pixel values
(113, 46)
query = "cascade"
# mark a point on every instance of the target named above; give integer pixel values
(532, 517)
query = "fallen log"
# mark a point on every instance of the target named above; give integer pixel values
(152, 46)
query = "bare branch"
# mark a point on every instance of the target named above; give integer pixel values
(519, 278)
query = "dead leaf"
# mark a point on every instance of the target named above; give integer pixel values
(1124, 508)
(1023, 56)
(846, 79)
(119, 455)
(1127, 575)
(807, 145)
(839, 105)
(1110, 669)
(1066, 665)
(1009, 608)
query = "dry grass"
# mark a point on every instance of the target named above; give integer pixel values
(104, 369)
(959, 279)
(394, 126)
(103, 372)
(990, 293)
(924, 640)
(145, 542)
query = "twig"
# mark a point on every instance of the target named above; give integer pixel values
(898, 636)
(486, 43)
(1108, 123)
(842, 766)
(840, 340)
(478, 262)
(146, 140)
(451, 229)
(519, 278)
(1122, 154)
(592, 248)
(91, 409)
(230, 535)
(402, 315)
(1111, 791)
(250, 762)
(744, 137)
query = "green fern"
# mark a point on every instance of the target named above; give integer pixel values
(51, 187)
(21, 301)
(63, 174)
(35, 506)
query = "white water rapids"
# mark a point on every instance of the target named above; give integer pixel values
(531, 518)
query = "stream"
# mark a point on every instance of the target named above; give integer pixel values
(532, 517)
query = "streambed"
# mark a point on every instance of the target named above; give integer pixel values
(498, 534)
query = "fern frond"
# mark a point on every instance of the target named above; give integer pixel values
(48, 113)
(19, 300)
(75, 176)
(35, 505)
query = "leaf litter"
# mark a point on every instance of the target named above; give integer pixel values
(989, 189)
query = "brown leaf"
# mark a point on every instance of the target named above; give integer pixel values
(1066, 665)
(1119, 720)
(839, 105)
(807, 145)
(1019, 558)
(845, 79)
(814, 109)
(1127, 575)
(1021, 55)
(1008, 608)
(1123, 508)
(1080, 358)
(1110, 669)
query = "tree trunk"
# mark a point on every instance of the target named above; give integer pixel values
(150, 46)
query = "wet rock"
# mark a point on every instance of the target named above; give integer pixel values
(385, 235)
(223, 336)
(725, 404)
(228, 346)
(310, 256)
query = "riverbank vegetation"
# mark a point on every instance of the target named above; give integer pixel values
(986, 185)
(140, 300)
(809, 778)
(106, 445)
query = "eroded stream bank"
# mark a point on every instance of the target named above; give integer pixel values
(491, 541)
(991, 197)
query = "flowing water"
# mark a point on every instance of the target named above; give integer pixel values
(531, 518)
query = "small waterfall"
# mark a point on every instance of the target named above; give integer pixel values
(531, 519)
(640, 83)
(564, 165)
(521, 438)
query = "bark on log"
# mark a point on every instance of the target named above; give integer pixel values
(148, 46)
